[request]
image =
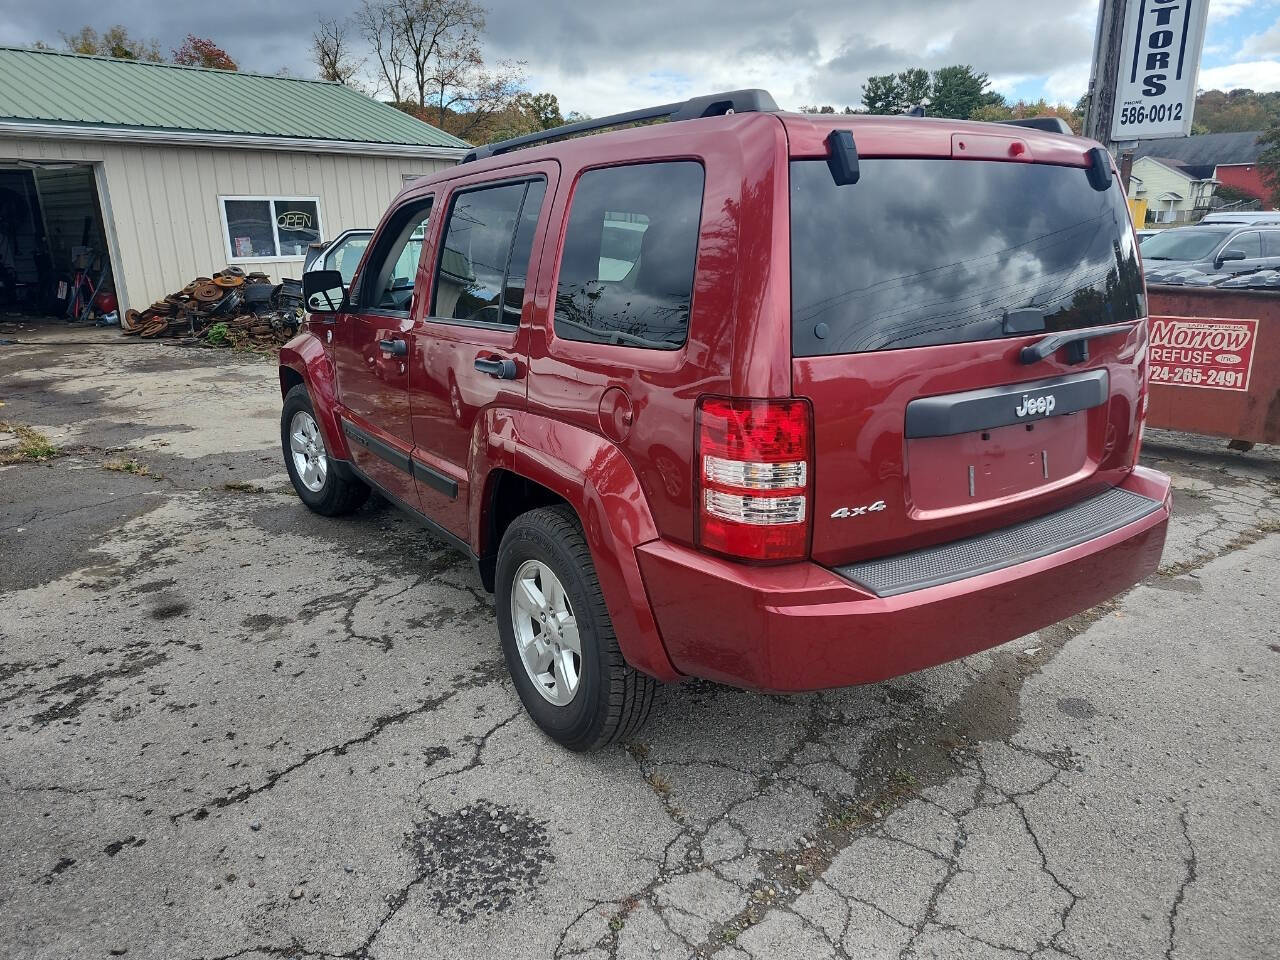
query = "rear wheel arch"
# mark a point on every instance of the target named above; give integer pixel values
(594, 477)
(506, 496)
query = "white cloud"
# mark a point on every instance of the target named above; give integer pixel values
(1223, 9)
(1068, 84)
(1262, 44)
(1254, 74)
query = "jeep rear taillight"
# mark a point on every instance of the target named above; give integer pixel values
(754, 463)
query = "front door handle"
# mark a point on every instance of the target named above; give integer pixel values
(497, 367)
(397, 348)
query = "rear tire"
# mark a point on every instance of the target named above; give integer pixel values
(586, 698)
(325, 485)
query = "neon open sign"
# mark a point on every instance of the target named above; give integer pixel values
(294, 220)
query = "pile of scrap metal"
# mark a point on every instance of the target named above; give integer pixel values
(231, 308)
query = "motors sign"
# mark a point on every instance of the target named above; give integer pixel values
(1216, 354)
(1156, 88)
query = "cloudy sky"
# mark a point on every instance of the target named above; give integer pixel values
(610, 55)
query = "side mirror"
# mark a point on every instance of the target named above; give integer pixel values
(1226, 255)
(323, 291)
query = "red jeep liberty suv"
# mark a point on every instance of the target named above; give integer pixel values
(783, 401)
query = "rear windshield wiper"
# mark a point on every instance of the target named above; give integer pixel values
(1077, 340)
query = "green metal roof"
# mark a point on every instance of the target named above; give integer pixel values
(45, 86)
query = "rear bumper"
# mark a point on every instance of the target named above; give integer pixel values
(804, 627)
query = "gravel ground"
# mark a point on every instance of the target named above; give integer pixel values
(230, 728)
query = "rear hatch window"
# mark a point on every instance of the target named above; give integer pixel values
(922, 252)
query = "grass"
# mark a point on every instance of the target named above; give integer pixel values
(33, 446)
(123, 465)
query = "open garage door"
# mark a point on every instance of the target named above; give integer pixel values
(54, 257)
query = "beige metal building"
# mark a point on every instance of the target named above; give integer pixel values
(153, 174)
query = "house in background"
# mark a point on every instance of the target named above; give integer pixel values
(1173, 191)
(1227, 159)
(166, 173)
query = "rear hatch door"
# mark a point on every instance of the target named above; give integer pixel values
(923, 299)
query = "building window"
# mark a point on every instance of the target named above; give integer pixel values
(270, 228)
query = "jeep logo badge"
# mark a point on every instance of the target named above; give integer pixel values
(1031, 406)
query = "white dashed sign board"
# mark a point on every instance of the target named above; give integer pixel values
(1156, 88)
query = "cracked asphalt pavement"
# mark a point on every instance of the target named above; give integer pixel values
(231, 728)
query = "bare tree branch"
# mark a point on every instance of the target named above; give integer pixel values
(331, 51)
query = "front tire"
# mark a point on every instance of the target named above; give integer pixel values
(557, 637)
(325, 485)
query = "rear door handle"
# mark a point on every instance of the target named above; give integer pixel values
(497, 367)
(397, 348)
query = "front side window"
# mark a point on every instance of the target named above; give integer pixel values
(630, 252)
(388, 280)
(270, 228)
(484, 259)
(1250, 244)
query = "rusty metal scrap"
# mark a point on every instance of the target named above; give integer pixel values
(231, 308)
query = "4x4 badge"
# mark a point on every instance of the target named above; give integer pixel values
(843, 512)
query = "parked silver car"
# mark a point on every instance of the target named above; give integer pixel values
(1214, 248)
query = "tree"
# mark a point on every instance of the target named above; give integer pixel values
(202, 52)
(958, 92)
(915, 86)
(1269, 162)
(114, 42)
(428, 52)
(1235, 111)
(541, 109)
(331, 51)
(895, 93)
(1030, 108)
(377, 23)
(882, 94)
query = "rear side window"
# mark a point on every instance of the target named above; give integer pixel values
(629, 256)
(924, 252)
(485, 255)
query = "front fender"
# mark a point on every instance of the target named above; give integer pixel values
(306, 356)
(597, 480)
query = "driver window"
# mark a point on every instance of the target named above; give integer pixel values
(388, 280)
(1250, 244)
(472, 273)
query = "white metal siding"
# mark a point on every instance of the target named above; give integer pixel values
(163, 200)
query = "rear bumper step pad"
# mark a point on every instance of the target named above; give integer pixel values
(1002, 548)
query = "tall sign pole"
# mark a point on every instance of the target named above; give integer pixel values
(1108, 43)
(1146, 58)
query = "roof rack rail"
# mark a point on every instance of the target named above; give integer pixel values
(711, 105)
(1047, 124)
